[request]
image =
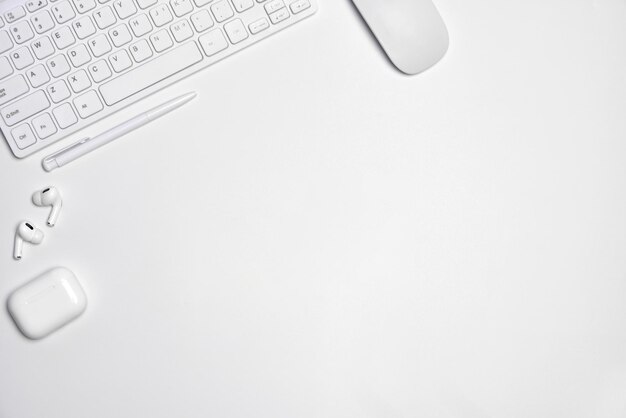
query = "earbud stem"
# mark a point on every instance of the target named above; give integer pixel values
(54, 213)
(17, 247)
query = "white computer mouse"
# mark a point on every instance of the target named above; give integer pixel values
(411, 32)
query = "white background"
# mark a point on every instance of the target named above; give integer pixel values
(317, 235)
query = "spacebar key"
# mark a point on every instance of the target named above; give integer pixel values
(150, 73)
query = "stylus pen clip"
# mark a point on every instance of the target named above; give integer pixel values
(50, 162)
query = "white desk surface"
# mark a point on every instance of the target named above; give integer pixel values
(317, 235)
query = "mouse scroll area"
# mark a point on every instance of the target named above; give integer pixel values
(411, 32)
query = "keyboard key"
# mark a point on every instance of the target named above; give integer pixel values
(144, 4)
(63, 12)
(25, 108)
(161, 40)
(42, 47)
(99, 45)
(22, 58)
(88, 104)
(213, 42)
(273, 6)
(201, 3)
(58, 66)
(144, 76)
(141, 50)
(6, 69)
(120, 61)
(99, 71)
(140, 25)
(84, 6)
(181, 7)
(14, 14)
(79, 55)
(42, 21)
(63, 37)
(279, 16)
(120, 35)
(124, 8)
(23, 136)
(299, 6)
(11, 88)
(22, 32)
(222, 11)
(243, 5)
(202, 20)
(44, 126)
(37, 75)
(6, 42)
(259, 26)
(34, 5)
(181, 31)
(58, 91)
(104, 17)
(161, 15)
(84, 27)
(79, 81)
(64, 115)
(236, 31)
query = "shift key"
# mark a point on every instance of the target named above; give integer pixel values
(11, 88)
(25, 108)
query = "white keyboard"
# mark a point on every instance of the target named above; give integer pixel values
(66, 63)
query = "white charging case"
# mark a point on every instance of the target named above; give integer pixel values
(47, 303)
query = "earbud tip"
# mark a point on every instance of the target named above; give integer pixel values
(38, 237)
(37, 198)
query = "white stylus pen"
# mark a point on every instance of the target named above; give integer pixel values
(86, 145)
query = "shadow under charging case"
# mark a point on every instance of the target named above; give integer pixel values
(47, 303)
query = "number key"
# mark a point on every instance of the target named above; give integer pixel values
(84, 5)
(63, 12)
(42, 21)
(22, 32)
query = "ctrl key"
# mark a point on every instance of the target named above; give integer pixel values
(23, 136)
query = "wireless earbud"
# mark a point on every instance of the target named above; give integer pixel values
(49, 197)
(25, 233)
